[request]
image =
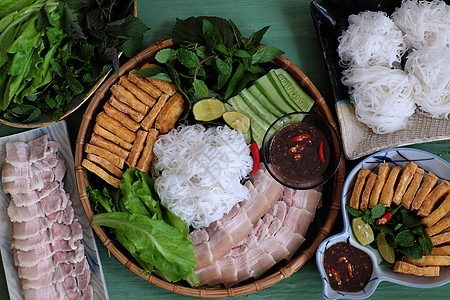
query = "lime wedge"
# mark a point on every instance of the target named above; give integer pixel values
(386, 251)
(237, 120)
(362, 231)
(208, 109)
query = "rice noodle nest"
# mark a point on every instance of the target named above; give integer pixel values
(382, 97)
(371, 39)
(198, 171)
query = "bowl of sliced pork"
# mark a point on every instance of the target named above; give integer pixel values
(199, 189)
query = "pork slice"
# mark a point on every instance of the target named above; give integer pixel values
(52, 147)
(65, 216)
(33, 242)
(25, 199)
(255, 206)
(88, 293)
(265, 184)
(307, 199)
(237, 223)
(220, 240)
(40, 282)
(70, 284)
(72, 269)
(271, 246)
(32, 257)
(44, 293)
(83, 279)
(47, 176)
(59, 170)
(55, 201)
(290, 239)
(203, 254)
(17, 153)
(209, 273)
(73, 295)
(298, 220)
(48, 188)
(73, 231)
(38, 147)
(23, 184)
(31, 228)
(47, 163)
(13, 172)
(281, 211)
(228, 271)
(260, 261)
(73, 256)
(275, 226)
(242, 264)
(41, 269)
(199, 236)
(24, 213)
(262, 232)
(63, 245)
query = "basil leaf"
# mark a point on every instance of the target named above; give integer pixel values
(270, 54)
(234, 81)
(237, 34)
(255, 38)
(165, 55)
(200, 88)
(211, 34)
(378, 211)
(405, 238)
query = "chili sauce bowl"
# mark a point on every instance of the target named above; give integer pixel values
(394, 157)
(301, 150)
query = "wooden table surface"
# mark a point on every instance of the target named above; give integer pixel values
(291, 29)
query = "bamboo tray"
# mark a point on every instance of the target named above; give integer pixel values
(282, 270)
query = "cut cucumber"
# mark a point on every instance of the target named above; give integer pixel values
(257, 107)
(268, 89)
(302, 99)
(272, 107)
(272, 76)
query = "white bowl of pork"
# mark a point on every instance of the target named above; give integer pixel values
(267, 234)
(417, 206)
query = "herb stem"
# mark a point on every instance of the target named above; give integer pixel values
(201, 62)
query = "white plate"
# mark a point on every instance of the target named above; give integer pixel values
(56, 132)
(394, 157)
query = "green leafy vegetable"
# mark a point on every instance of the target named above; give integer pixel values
(154, 236)
(52, 51)
(211, 58)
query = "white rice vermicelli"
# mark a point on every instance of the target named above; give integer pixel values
(424, 23)
(371, 39)
(382, 97)
(198, 171)
(429, 69)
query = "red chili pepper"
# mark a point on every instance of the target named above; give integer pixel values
(335, 274)
(350, 269)
(298, 156)
(255, 153)
(297, 148)
(301, 137)
(321, 156)
(384, 219)
(341, 259)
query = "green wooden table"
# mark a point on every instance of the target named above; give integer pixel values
(291, 29)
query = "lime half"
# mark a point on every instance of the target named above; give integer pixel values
(386, 251)
(362, 231)
(237, 120)
(208, 109)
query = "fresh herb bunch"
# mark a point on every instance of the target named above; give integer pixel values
(211, 58)
(53, 51)
(404, 231)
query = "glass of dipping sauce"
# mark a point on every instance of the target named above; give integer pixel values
(301, 150)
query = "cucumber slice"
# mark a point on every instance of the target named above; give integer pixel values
(272, 107)
(272, 76)
(273, 93)
(302, 99)
(256, 106)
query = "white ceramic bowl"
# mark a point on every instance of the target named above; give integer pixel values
(399, 157)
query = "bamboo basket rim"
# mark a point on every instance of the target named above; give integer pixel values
(291, 266)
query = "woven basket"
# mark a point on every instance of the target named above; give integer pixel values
(283, 269)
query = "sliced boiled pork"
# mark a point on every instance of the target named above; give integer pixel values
(46, 244)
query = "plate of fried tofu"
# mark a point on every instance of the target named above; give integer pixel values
(401, 177)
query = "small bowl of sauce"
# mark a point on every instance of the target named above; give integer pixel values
(301, 150)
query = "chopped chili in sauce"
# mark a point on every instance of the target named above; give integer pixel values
(348, 268)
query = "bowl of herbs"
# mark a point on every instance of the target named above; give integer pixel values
(56, 54)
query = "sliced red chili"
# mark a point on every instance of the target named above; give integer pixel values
(297, 148)
(321, 155)
(255, 153)
(384, 219)
(301, 137)
(335, 274)
(350, 269)
(341, 259)
(298, 156)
